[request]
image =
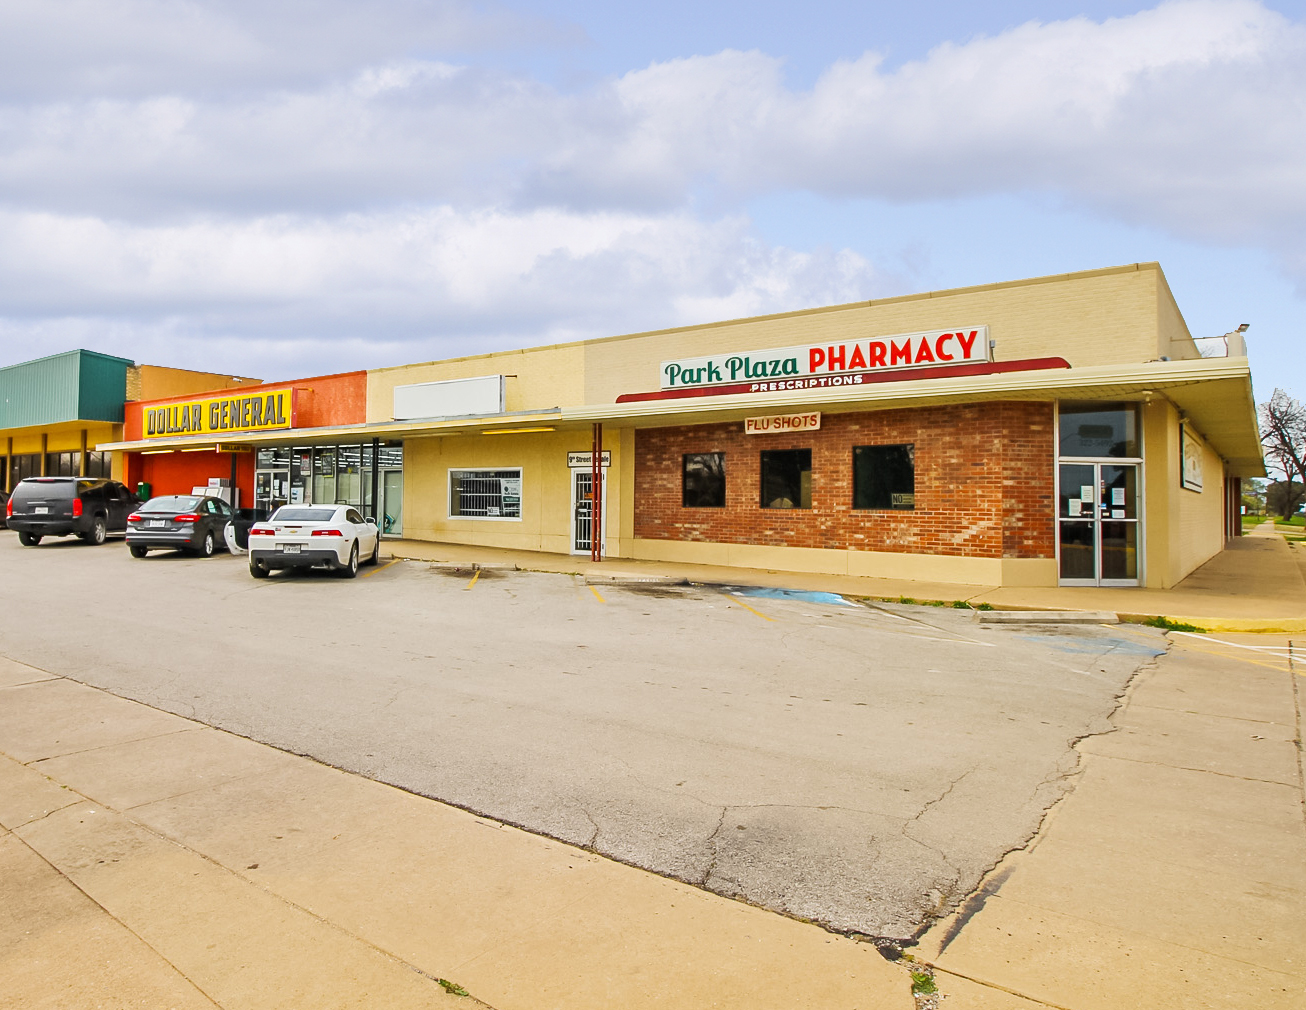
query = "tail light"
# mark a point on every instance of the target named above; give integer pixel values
(256, 532)
(9, 507)
(77, 507)
(327, 533)
(135, 517)
(188, 517)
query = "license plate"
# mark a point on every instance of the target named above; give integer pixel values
(157, 523)
(290, 548)
(41, 510)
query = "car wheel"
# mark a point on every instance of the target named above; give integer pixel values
(259, 570)
(97, 533)
(350, 570)
(208, 546)
(138, 551)
(376, 551)
(29, 539)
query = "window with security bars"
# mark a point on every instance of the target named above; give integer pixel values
(485, 494)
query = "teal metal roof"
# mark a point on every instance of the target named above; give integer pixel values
(73, 386)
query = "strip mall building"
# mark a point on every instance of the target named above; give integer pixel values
(1063, 430)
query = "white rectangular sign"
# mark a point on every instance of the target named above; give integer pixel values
(814, 365)
(781, 423)
(586, 459)
(481, 394)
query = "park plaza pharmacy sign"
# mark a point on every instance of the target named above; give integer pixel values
(826, 364)
(265, 411)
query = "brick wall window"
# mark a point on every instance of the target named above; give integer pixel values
(884, 476)
(703, 480)
(786, 479)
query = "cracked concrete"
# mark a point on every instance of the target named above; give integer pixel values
(861, 767)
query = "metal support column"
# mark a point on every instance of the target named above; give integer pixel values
(376, 451)
(596, 489)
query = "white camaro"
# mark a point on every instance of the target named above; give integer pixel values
(302, 536)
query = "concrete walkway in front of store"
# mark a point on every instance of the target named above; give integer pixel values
(1256, 584)
(149, 860)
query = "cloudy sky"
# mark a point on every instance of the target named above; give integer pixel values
(285, 187)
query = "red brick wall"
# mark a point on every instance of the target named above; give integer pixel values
(984, 483)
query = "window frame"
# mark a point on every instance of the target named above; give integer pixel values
(911, 447)
(761, 480)
(496, 470)
(684, 473)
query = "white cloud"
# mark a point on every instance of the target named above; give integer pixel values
(326, 170)
(401, 286)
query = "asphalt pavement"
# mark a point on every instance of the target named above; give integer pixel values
(860, 766)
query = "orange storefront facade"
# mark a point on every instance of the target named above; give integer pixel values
(258, 446)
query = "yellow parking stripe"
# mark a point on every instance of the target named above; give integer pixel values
(473, 582)
(596, 595)
(763, 616)
(382, 568)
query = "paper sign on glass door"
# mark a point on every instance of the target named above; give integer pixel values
(1085, 492)
(1075, 506)
(1117, 496)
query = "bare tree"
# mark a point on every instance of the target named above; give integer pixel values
(1283, 433)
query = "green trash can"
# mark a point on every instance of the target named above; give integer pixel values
(143, 490)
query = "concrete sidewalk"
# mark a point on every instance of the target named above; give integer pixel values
(1174, 874)
(147, 860)
(1255, 585)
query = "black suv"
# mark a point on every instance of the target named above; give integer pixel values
(62, 506)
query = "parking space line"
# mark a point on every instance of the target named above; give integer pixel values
(382, 568)
(763, 616)
(596, 595)
(473, 582)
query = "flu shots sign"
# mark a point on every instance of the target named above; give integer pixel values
(831, 364)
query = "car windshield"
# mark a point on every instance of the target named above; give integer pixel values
(172, 503)
(292, 514)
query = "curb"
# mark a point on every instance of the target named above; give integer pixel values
(1046, 617)
(1230, 625)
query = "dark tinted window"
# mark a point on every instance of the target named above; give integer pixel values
(703, 480)
(787, 479)
(99, 464)
(1099, 429)
(354, 517)
(39, 488)
(23, 466)
(884, 477)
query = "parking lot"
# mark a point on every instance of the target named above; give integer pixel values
(857, 764)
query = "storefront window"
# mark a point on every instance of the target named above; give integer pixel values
(884, 477)
(63, 464)
(485, 494)
(703, 481)
(99, 464)
(1097, 430)
(787, 479)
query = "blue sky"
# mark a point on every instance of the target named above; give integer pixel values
(283, 188)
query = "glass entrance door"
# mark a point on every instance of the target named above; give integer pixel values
(1097, 519)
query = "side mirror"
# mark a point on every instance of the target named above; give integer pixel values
(371, 519)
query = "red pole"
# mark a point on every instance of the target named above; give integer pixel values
(596, 490)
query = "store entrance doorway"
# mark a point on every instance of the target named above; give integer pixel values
(1097, 509)
(391, 511)
(582, 511)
